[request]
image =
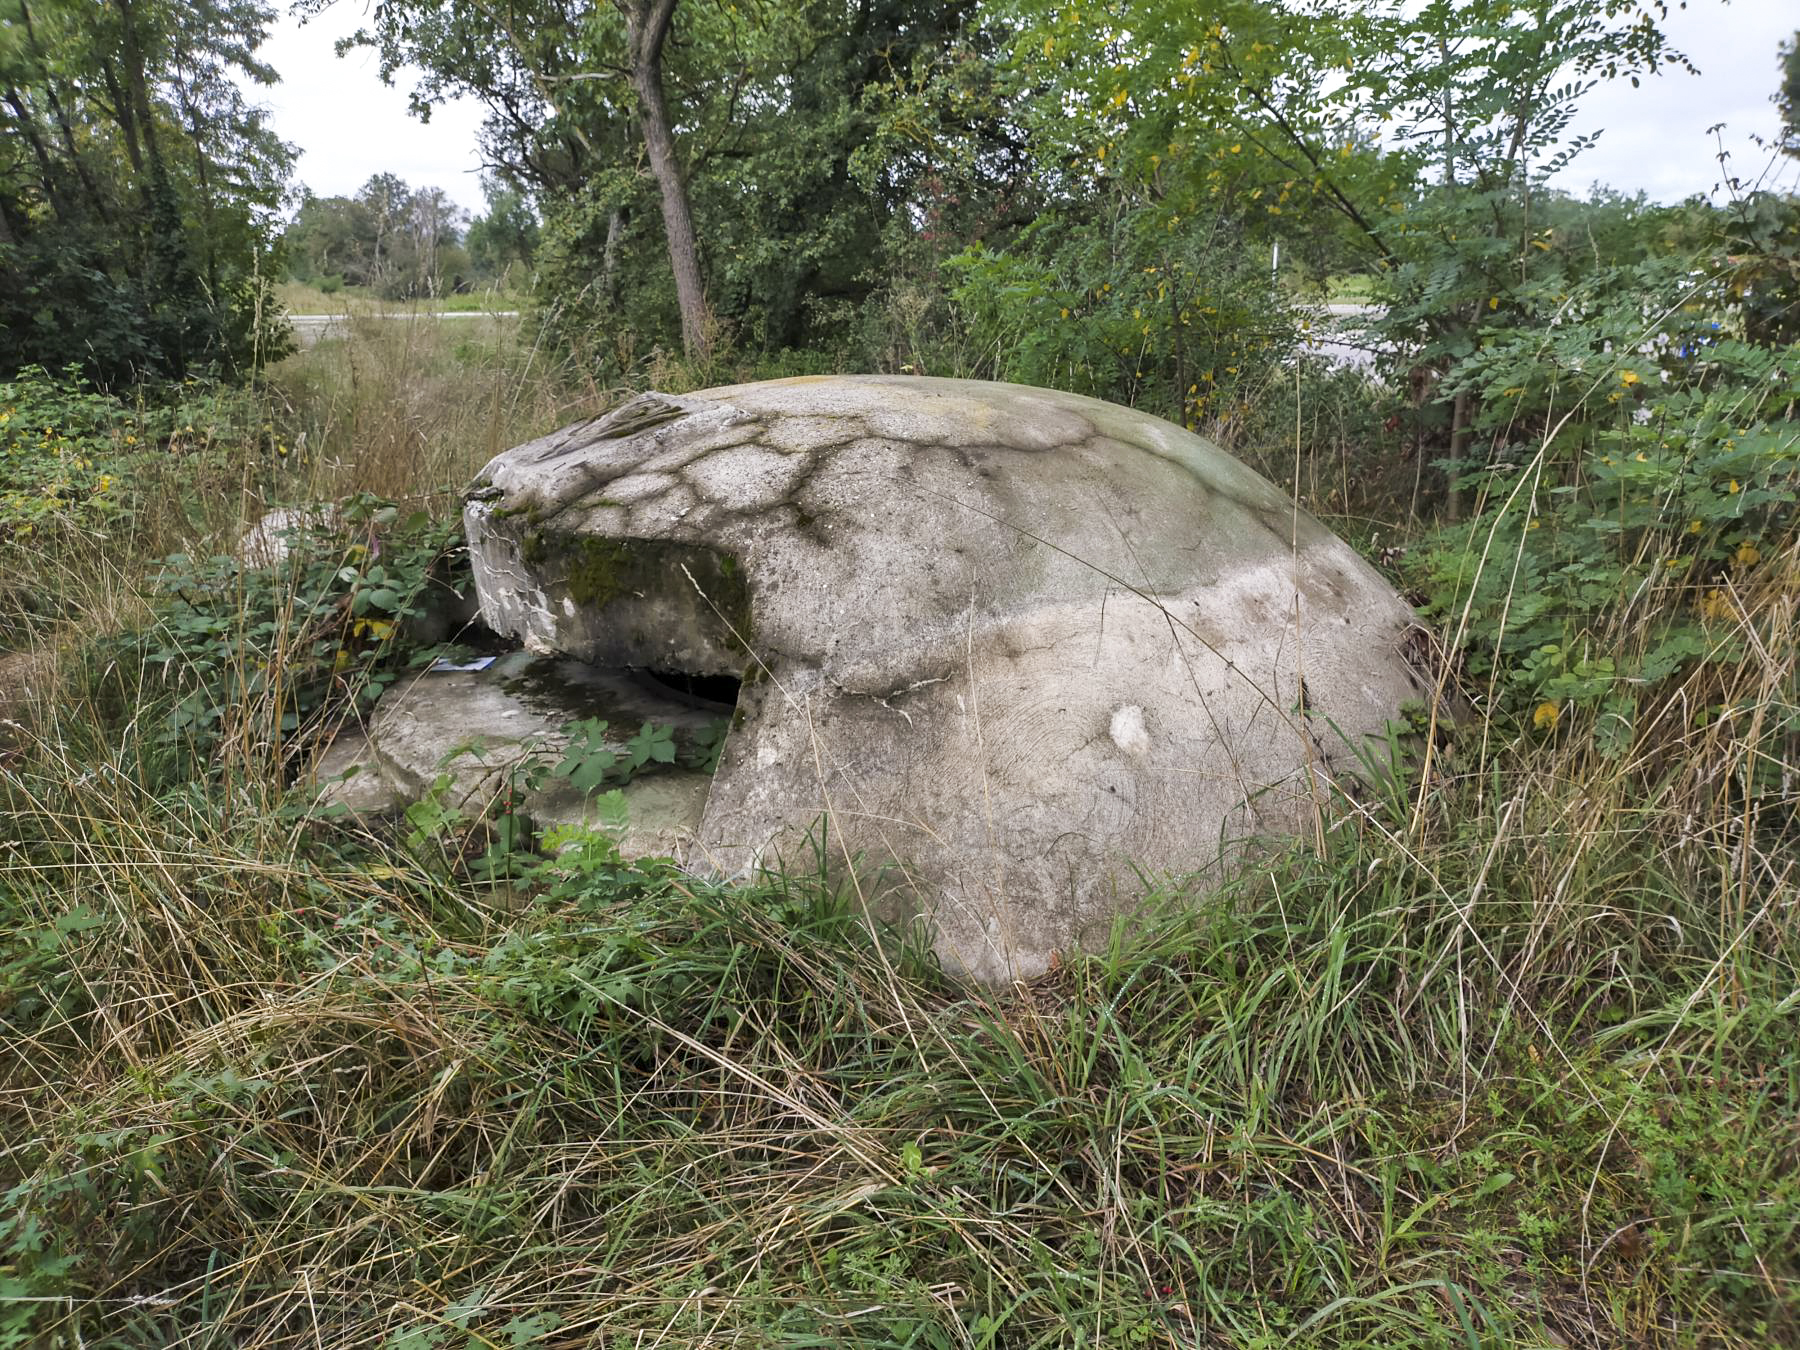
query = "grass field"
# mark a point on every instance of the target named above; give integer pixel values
(1507, 1058)
(301, 298)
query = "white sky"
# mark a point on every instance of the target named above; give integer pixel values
(1654, 138)
(350, 126)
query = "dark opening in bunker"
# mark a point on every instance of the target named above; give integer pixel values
(719, 692)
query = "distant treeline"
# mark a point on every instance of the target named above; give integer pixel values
(1083, 197)
(404, 243)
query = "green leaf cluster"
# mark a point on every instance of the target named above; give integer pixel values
(137, 187)
(274, 654)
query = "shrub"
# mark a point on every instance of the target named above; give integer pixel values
(263, 659)
(1636, 489)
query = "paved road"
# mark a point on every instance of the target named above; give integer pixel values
(1343, 339)
(309, 328)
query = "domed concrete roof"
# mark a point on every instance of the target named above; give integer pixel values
(1016, 649)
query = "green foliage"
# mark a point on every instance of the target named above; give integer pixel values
(1636, 490)
(1756, 247)
(514, 846)
(136, 182)
(398, 242)
(82, 471)
(1339, 1104)
(1506, 1057)
(64, 450)
(1787, 96)
(590, 762)
(506, 237)
(1164, 136)
(1182, 319)
(272, 655)
(773, 106)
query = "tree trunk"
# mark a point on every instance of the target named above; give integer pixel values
(62, 118)
(647, 27)
(197, 134)
(609, 260)
(137, 83)
(126, 117)
(1459, 441)
(46, 169)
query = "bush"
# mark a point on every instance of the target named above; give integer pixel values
(1646, 533)
(65, 451)
(266, 659)
(1178, 319)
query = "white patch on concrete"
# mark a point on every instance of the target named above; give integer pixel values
(1128, 731)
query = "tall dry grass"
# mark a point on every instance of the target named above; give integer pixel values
(410, 407)
(1508, 1058)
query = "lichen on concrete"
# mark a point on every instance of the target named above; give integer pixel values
(1018, 647)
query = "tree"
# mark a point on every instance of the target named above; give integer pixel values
(506, 235)
(768, 107)
(433, 222)
(524, 75)
(396, 241)
(329, 240)
(137, 186)
(1787, 98)
(647, 29)
(1267, 110)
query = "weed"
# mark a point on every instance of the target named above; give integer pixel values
(1506, 1058)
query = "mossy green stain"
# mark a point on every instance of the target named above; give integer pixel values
(598, 571)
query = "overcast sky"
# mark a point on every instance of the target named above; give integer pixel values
(349, 126)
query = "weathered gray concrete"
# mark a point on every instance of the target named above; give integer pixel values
(1020, 644)
(485, 729)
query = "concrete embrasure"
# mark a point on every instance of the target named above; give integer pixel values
(1017, 649)
(485, 729)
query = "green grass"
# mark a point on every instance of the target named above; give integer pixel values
(302, 298)
(1507, 1061)
(1349, 1101)
(1350, 288)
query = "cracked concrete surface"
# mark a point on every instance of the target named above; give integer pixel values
(1019, 648)
(483, 730)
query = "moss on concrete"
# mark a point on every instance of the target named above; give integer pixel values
(598, 572)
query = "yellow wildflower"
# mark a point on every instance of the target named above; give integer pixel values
(1715, 604)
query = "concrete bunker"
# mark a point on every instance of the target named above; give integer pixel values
(1016, 650)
